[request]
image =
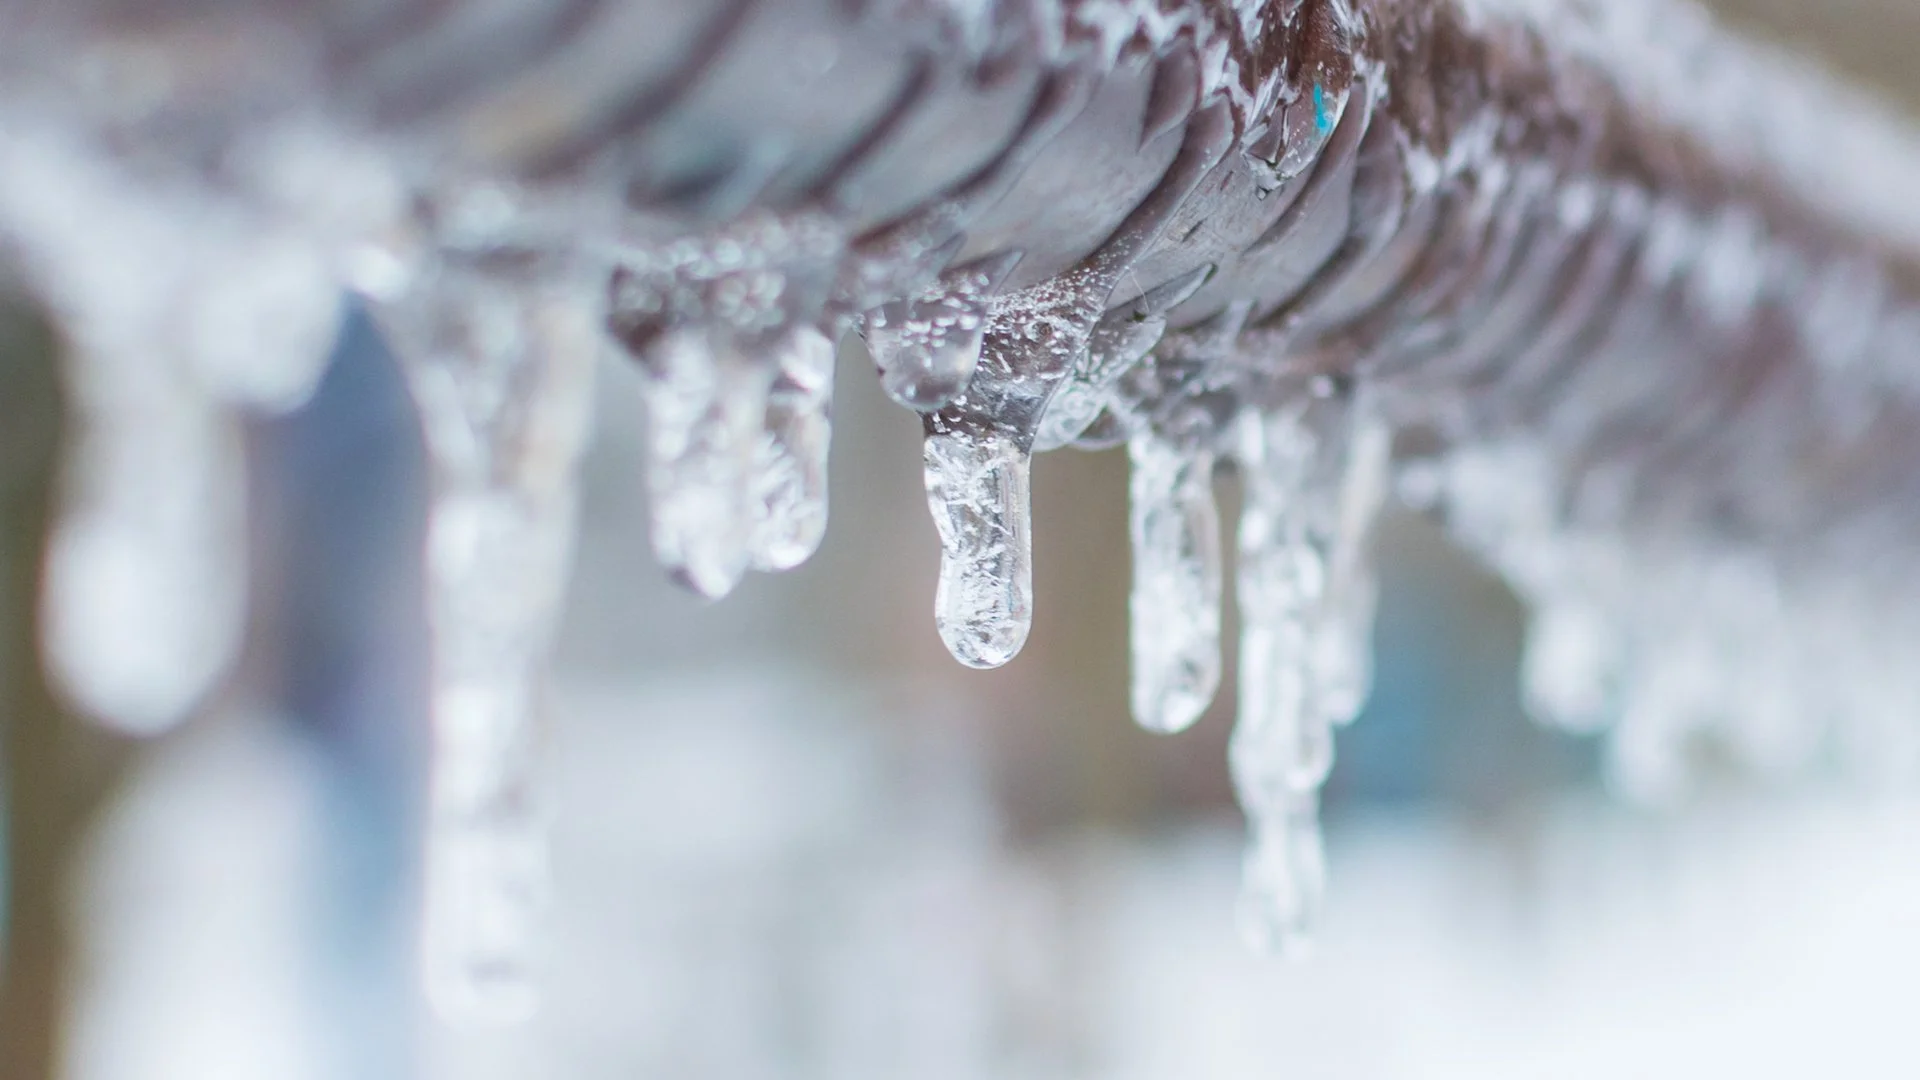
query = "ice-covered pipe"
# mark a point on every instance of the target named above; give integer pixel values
(1631, 301)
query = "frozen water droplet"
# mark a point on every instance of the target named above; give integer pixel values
(791, 504)
(1174, 611)
(927, 346)
(706, 401)
(978, 487)
(924, 371)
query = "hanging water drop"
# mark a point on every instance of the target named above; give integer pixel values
(923, 365)
(928, 345)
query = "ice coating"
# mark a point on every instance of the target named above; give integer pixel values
(979, 488)
(1120, 341)
(501, 366)
(1174, 609)
(791, 514)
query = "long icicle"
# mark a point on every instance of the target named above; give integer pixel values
(502, 369)
(1314, 475)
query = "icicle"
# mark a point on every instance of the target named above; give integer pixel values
(707, 406)
(1174, 611)
(176, 307)
(1282, 746)
(737, 387)
(1315, 477)
(791, 511)
(978, 487)
(502, 371)
(1343, 640)
(979, 447)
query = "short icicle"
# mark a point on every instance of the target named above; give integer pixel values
(707, 401)
(979, 490)
(979, 446)
(791, 507)
(737, 378)
(502, 371)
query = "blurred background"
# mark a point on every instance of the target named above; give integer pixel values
(791, 838)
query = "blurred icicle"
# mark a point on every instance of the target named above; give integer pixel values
(1315, 476)
(736, 353)
(791, 517)
(178, 308)
(707, 400)
(1174, 608)
(501, 363)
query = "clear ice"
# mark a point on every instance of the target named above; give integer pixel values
(928, 346)
(707, 402)
(979, 488)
